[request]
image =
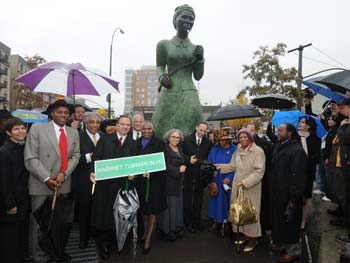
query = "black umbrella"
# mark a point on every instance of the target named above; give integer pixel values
(274, 101)
(339, 82)
(234, 111)
(51, 218)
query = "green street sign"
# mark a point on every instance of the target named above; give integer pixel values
(121, 167)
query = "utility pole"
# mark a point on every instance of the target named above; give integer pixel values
(300, 72)
(108, 97)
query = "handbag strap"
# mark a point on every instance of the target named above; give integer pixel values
(240, 196)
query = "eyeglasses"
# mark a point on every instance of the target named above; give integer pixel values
(175, 137)
(94, 122)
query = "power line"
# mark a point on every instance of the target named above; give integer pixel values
(322, 52)
(318, 61)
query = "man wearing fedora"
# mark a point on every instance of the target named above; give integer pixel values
(51, 155)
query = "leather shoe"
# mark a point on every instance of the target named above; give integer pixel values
(287, 258)
(338, 222)
(277, 249)
(213, 226)
(103, 251)
(251, 245)
(241, 241)
(146, 250)
(83, 244)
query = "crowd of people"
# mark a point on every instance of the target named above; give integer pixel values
(56, 160)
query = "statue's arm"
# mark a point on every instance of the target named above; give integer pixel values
(161, 57)
(198, 67)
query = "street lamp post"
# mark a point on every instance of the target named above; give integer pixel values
(110, 67)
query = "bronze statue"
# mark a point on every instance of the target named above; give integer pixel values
(178, 104)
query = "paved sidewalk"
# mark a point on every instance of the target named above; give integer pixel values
(322, 234)
(204, 247)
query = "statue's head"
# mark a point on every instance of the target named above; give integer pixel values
(184, 17)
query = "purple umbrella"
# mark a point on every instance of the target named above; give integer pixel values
(68, 79)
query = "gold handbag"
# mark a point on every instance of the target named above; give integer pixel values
(242, 210)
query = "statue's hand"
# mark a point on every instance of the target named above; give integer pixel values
(165, 80)
(199, 52)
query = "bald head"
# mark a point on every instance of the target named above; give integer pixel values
(137, 121)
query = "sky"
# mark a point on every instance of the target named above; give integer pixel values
(229, 30)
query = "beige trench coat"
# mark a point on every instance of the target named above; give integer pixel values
(249, 167)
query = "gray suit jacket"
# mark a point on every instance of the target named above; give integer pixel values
(42, 157)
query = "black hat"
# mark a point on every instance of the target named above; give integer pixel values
(5, 114)
(59, 103)
(345, 101)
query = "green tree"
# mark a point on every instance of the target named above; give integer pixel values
(34, 61)
(267, 75)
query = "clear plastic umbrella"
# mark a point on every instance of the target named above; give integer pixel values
(125, 216)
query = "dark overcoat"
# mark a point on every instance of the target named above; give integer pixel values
(288, 175)
(106, 191)
(157, 194)
(190, 147)
(81, 178)
(265, 212)
(174, 179)
(13, 182)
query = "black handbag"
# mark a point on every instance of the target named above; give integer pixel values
(207, 170)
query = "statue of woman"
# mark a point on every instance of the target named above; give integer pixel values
(178, 104)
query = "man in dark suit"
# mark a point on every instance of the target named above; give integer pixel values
(78, 118)
(265, 211)
(51, 154)
(117, 145)
(81, 184)
(135, 130)
(195, 144)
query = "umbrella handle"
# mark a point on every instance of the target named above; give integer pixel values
(53, 204)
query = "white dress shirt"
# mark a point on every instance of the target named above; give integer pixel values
(58, 133)
(134, 134)
(57, 130)
(123, 140)
(97, 135)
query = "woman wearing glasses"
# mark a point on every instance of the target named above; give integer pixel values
(176, 160)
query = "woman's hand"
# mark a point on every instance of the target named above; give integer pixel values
(217, 166)
(226, 181)
(241, 185)
(199, 52)
(183, 168)
(12, 211)
(193, 159)
(165, 80)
